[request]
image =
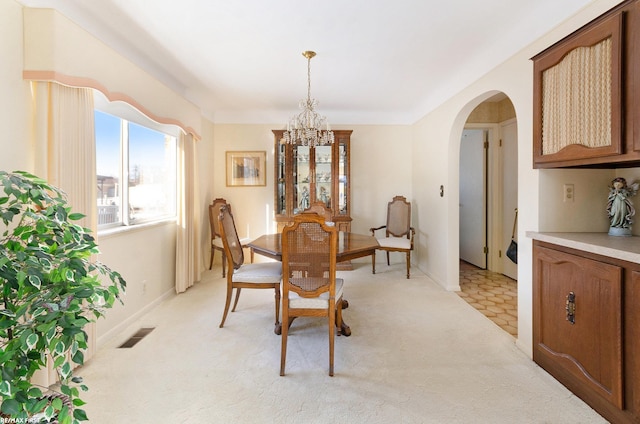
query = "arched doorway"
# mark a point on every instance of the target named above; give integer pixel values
(488, 200)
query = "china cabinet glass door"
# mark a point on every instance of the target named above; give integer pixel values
(302, 177)
(323, 175)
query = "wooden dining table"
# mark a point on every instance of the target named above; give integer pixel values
(350, 246)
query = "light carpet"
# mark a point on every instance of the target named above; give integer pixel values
(418, 354)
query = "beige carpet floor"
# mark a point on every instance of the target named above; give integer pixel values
(418, 354)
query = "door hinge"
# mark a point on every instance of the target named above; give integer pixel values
(486, 144)
(500, 143)
(485, 250)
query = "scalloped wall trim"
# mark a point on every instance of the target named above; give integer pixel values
(73, 81)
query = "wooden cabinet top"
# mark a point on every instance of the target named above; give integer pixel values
(623, 248)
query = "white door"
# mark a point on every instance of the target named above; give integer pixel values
(473, 222)
(509, 192)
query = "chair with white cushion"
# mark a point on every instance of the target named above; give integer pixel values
(399, 233)
(216, 237)
(264, 275)
(309, 285)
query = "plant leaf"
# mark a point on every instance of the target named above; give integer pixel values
(10, 407)
(32, 340)
(80, 415)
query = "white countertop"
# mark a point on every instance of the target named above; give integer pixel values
(625, 248)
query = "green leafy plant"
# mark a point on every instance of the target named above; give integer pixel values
(51, 289)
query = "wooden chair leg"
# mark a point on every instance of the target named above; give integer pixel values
(285, 333)
(278, 328)
(408, 263)
(224, 261)
(211, 260)
(332, 333)
(235, 303)
(388, 263)
(373, 262)
(339, 307)
(226, 305)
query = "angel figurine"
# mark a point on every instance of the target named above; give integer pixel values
(304, 198)
(620, 208)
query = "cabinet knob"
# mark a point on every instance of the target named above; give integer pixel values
(571, 307)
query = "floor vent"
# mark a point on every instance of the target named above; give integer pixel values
(140, 334)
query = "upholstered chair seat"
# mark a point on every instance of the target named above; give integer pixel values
(263, 272)
(394, 242)
(321, 302)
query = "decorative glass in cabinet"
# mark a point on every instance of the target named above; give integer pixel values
(323, 180)
(301, 179)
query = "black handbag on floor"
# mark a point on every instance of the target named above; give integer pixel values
(512, 250)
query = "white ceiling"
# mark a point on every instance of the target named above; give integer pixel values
(378, 62)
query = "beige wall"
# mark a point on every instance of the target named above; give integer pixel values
(492, 112)
(14, 102)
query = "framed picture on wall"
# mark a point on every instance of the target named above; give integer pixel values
(245, 169)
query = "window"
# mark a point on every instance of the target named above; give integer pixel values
(136, 172)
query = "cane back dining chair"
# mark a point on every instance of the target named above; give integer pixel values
(399, 233)
(309, 285)
(216, 237)
(263, 275)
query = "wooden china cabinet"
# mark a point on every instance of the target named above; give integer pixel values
(308, 174)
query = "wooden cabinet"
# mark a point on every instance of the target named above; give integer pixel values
(585, 327)
(304, 175)
(586, 95)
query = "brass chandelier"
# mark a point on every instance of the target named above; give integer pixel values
(308, 128)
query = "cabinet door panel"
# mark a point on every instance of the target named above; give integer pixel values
(578, 96)
(590, 348)
(632, 344)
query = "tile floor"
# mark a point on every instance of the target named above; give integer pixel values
(493, 294)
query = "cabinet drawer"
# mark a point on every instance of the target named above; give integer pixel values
(578, 321)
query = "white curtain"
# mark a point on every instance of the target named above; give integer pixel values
(64, 151)
(188, 259)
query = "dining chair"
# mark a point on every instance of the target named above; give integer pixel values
(399, 233)
(309, 285)
(261, 275)
(216, 237)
